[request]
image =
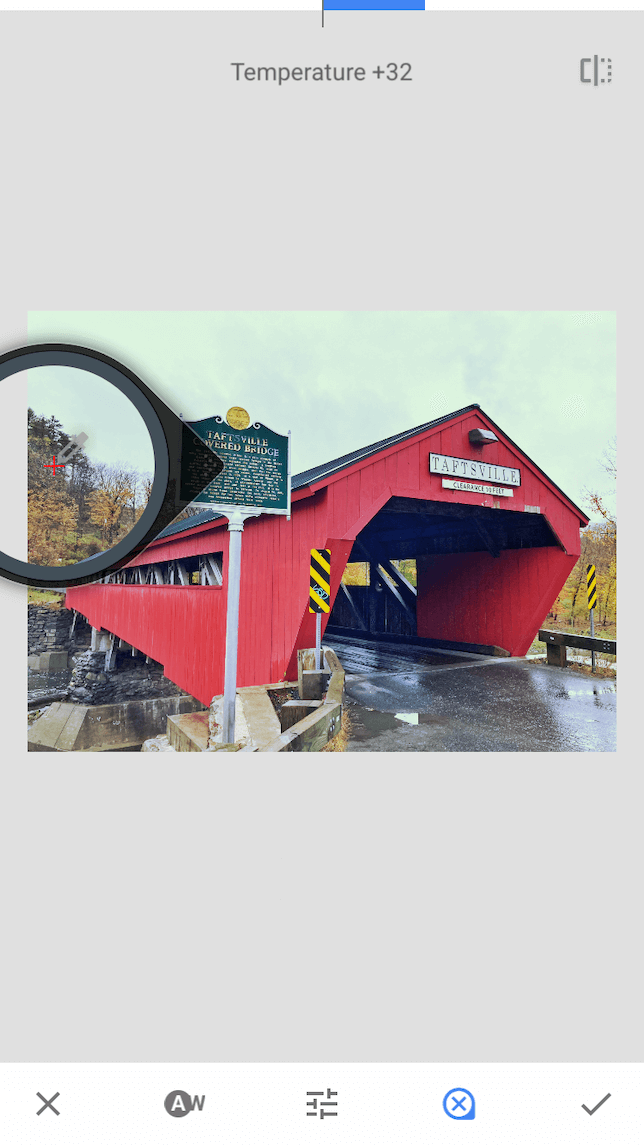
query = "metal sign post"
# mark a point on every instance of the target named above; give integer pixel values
(592, 601)
(319, 595)
(235, 530)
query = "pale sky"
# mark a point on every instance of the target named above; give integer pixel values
(341, 380)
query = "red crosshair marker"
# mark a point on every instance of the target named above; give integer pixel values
(55, 465)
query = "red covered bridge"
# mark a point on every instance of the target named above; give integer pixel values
(493, 537)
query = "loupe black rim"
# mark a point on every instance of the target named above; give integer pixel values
(125, 380)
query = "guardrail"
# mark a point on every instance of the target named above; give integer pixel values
(558, 642)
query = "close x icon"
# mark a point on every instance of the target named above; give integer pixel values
(49, 1104)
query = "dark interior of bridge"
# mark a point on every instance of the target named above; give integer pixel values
(408, 528)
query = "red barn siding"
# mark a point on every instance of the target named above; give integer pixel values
(467, 596)
(181, 627)
(205, 539)
(489, 600)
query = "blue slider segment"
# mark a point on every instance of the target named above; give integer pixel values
(374, 5)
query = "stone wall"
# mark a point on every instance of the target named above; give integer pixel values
(48, 630)
(131, 679)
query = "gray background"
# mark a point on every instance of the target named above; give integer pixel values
(476, 908)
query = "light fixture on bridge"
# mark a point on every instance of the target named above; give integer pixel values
(482, 437)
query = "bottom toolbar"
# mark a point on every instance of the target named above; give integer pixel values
(295, 1104)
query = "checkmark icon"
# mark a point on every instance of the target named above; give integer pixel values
(599, 1103)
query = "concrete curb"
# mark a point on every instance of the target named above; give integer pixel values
(314, 731)
(189, 732)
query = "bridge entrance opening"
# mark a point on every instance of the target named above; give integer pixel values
(426, 566)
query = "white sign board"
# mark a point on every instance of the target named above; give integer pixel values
(472, 487)
(473, 470)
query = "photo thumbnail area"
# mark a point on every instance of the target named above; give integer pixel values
(434, 570)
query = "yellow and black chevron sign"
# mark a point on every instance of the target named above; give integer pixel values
(592, 586)
(320, 589)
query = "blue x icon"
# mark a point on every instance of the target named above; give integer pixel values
(459, 1104)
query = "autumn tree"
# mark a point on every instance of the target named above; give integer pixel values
(51, 516)
(45, 438)
(40, 428)
(598, 547)
(81, 482)
(113, 492)
(141, 495)
(605, 535)
(356, 573)
(51, 512)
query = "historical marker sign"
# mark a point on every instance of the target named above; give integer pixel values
(256, 473)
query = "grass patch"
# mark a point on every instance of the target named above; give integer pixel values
(340, 741)
(585, 669)
(538, 647)
(43, 596)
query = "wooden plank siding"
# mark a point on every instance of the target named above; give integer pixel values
(467, 596)
(181, 627)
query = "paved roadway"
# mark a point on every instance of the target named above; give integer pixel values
(406, 698)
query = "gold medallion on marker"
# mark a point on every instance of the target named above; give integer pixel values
(238, 418)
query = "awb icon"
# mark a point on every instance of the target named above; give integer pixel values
(178, 1103)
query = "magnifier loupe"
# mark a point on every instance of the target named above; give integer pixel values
(103, 465)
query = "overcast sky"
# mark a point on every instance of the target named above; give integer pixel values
(341, 380)
(82, 402)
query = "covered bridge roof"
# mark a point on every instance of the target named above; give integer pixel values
(330, 468)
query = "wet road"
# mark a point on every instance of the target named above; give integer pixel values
(406, 699)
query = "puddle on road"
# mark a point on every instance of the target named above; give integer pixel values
(367, 723)
(610, 690)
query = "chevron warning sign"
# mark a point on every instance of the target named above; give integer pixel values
(592, 586)
(320, 583)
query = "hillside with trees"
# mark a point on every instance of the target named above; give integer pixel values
(599, 548)
(82, 509)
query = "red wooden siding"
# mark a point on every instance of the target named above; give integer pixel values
(489, 600)
(468, 596)
(181, 627)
